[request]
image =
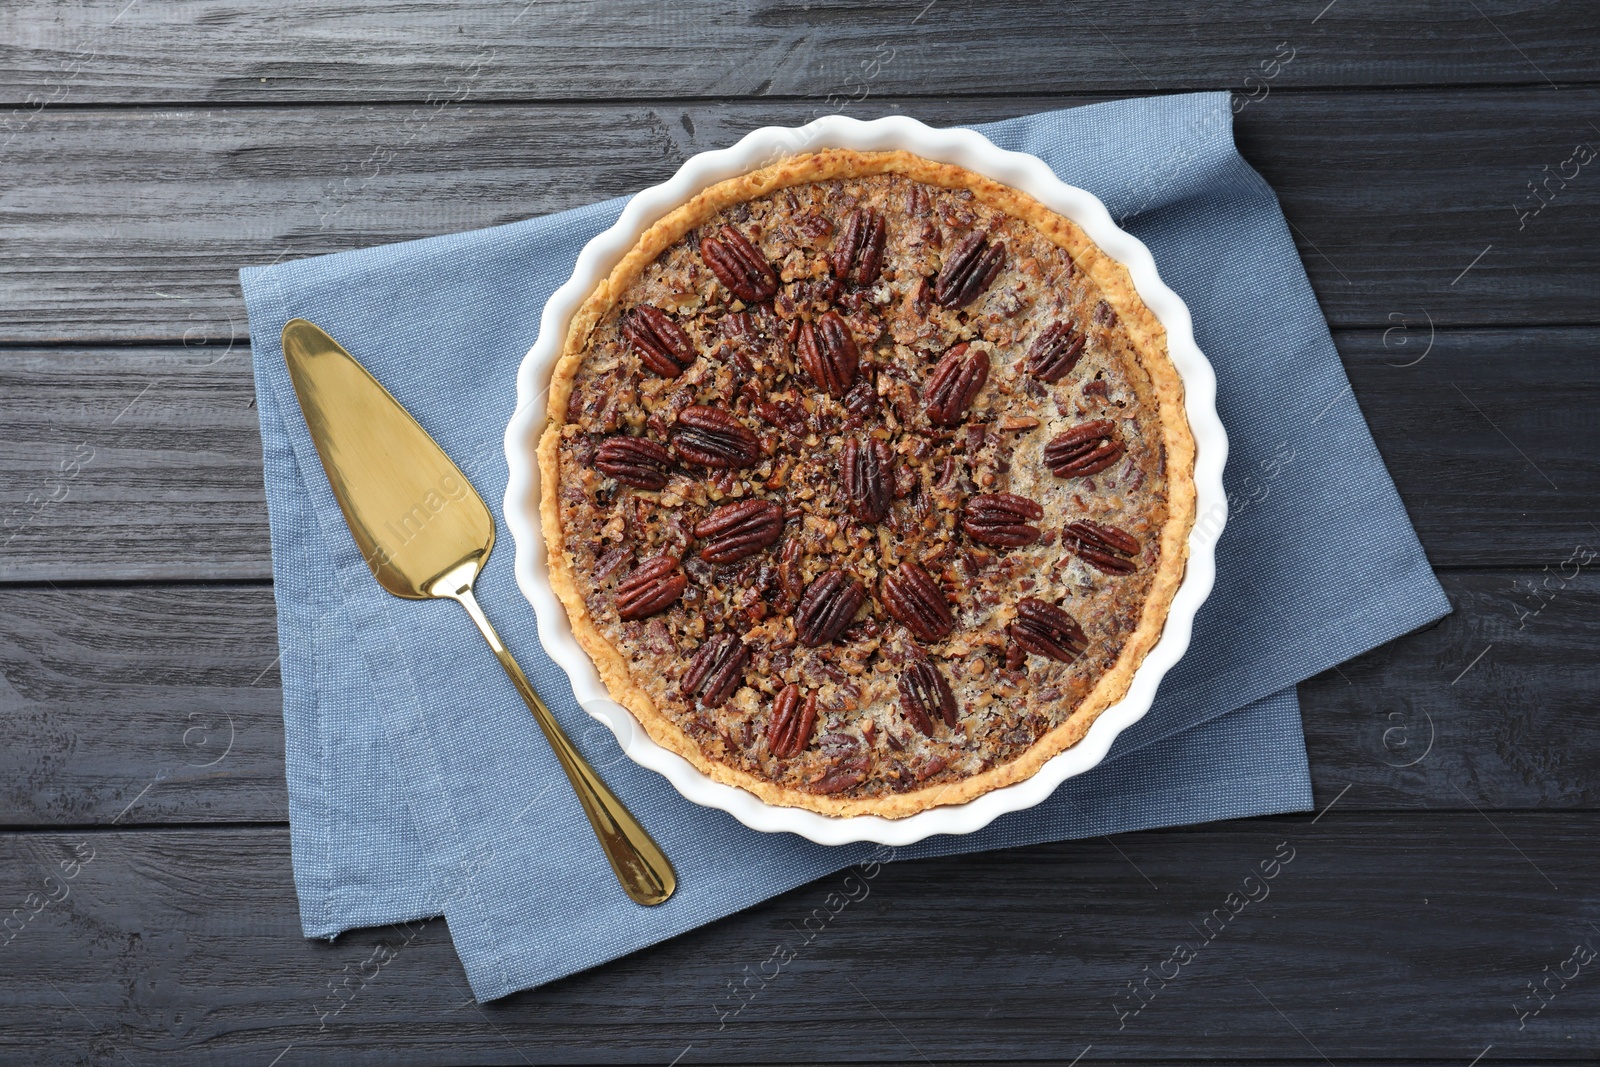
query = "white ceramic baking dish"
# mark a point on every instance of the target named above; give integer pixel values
(761, 148)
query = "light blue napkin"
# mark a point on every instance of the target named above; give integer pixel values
(419, 784)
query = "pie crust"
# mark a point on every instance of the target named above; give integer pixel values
(641, 665)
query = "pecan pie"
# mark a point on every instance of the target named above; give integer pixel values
(867, 482)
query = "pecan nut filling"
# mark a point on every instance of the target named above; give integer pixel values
(867, 483)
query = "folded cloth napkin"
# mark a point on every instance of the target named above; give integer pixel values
(418, 783)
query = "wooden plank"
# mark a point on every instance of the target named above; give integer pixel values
(131, 463)
(168, 52)
(130, 225)
(184, 946)
(1489, 435)
(145, 463)
(166, 698)
(1492, 705)
(141, 704)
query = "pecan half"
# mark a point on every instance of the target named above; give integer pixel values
(789, 578)
(653, 586)
(737, 265)
(661, 343)
(611, 562)
(742, 327)
(740, 529)
(1056, 351)
(921, 296)
(868, 471)
(793, 719)
(924, 694)
(863, 399)
(829, 354)
(1085, 449)
(716, 670)
(1105, 547)
(787, 415)
(968, 270)
(712, 437)
(849, 772)
(1002, 520)
(858, 252)
(954, 384)
(913, 597)
(813, 226)
(830, 602)
(1046, 630)
(635, 461)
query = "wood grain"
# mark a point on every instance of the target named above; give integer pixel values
(128, 463)
(166, 698)
(130, 225)
(220, 50)
(145, 463)
(1378, 939)
(1489, 435)
(163, 698)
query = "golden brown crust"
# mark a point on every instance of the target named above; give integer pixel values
(1164, 390)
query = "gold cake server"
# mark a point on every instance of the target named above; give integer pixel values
(425, 532)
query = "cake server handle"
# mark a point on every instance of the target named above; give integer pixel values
(643, 869)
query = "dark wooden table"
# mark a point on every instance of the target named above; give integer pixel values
(1438, 164)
